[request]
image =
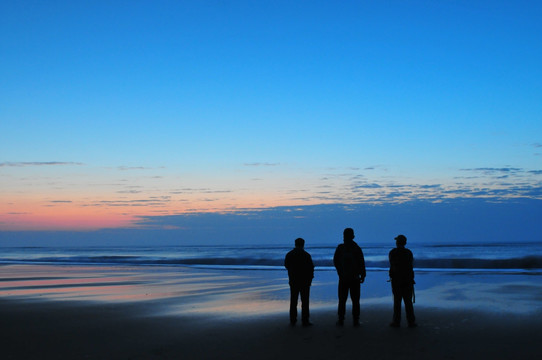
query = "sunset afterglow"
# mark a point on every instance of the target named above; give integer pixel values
(134, 115)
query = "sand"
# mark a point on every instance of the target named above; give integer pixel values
(55, 330)
(148, 313)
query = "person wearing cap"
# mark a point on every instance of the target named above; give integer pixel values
(350, 264)
(300, 274)
(402, 281)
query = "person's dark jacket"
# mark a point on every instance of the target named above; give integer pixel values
(401, 266)
(349, 261)
(300, 267)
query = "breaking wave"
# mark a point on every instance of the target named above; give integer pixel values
(533, 262)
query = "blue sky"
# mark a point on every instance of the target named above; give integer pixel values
(114, 112)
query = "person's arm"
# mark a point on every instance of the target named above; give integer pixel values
(335, 259)
(412, 267)
(337, 262)
(391, 263)
(362, 271)
(286, 261)
(312, 267)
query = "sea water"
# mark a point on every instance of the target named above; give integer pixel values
(252, 279)
(524, 257)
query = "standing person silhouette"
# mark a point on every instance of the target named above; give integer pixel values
(402, 281)
(300, 275)
(350, 264)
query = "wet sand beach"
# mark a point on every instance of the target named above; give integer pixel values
(46, 330)
(146, 313)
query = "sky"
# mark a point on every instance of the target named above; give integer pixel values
(235, 121)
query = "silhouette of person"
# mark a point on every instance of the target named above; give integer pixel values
(402, 281)
(350, 264)
(300, 274)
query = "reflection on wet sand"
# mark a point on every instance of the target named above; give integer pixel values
(181, 290)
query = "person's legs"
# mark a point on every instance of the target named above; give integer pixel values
(397, 296)
(305, 294)
(343, 296)
(409, 308)
(355, 294)
(294, 294)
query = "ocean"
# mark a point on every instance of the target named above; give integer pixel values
(524, 258)
(251, 279)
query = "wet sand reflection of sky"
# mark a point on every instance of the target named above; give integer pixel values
(239, 293)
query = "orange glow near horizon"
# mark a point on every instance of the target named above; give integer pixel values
(21, 215)
(72, 221)
(93, 209)
(24, 214)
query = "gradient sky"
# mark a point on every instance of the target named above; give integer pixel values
(139, 114)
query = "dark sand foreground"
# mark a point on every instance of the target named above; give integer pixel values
(34, 329)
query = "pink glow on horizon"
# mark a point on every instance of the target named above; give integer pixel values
(63, 221)
(79, 214)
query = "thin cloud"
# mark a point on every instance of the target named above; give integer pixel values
(199, 191)
(434, 186)
(491, 170)
(261, 164)
(154, 201)
(126, 168)
(39, 163)
(164, 197)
